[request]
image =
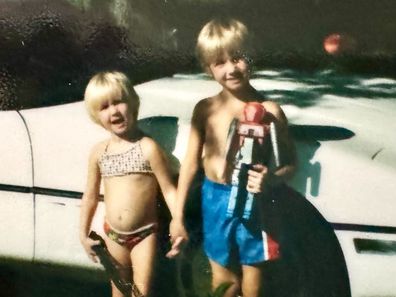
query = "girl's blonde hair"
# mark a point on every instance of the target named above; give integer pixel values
(221, 36)
(110, 85)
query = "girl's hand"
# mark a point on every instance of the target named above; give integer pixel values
(176, 248)
(88, 243)
(178, 237)
(257, 178)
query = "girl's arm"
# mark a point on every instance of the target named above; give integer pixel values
(89, 203)
(160, 166)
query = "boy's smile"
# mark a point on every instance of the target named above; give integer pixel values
(232, 72)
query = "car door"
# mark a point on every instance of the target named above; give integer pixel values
(347, 171)
(62, 137)
(16, 182)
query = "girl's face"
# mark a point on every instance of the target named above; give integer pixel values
(115, 116)
(231, 71)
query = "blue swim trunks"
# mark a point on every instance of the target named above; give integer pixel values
(229, 240)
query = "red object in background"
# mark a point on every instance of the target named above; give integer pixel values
(337, 43)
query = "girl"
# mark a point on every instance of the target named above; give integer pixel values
(132, 166)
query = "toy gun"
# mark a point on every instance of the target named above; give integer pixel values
(245, 138)
(111, 268)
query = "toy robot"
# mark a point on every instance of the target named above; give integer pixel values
(245, 147)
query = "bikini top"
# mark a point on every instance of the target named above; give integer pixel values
(128, 162)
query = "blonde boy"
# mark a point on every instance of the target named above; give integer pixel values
(234, 246)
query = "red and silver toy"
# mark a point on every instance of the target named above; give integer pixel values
(245, 147)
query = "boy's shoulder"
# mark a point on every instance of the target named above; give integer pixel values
(205, 101)
(268, 104)
(272, 107)
(202, 105)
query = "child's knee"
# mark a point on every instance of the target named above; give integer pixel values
(251, 290)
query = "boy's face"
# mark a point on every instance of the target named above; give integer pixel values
(115, 116)
(231, 71)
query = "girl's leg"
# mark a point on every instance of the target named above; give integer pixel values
(222, 275)
(122, 256)
(142, 257)
(251, 281)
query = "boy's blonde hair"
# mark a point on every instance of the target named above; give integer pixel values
(110, 85)
(221, 36)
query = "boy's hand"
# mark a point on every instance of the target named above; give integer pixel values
(176, 230)
(88, 243)
(257, 178)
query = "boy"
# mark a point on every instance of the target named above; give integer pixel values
(234, 246)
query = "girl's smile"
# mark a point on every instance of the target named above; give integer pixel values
(115, 116)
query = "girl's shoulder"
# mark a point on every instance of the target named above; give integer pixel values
(147, 143)
(99, 148)
(150, 147)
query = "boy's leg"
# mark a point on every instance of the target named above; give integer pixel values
(143, 258)
(220, 275)
(122, 256)
(251, 281)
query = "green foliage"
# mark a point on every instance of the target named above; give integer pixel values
(83, 4)
(220, 290)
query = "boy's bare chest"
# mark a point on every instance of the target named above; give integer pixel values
(218, 124)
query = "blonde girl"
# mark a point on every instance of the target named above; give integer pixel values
(132, 168)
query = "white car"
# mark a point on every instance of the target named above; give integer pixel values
(340, 239)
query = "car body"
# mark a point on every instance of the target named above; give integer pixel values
(344, 130)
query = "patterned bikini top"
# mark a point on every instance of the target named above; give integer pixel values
(128, 162)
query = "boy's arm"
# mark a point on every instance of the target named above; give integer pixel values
(89, 203)
(287, 150)
(161, 170)
(189, 167)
